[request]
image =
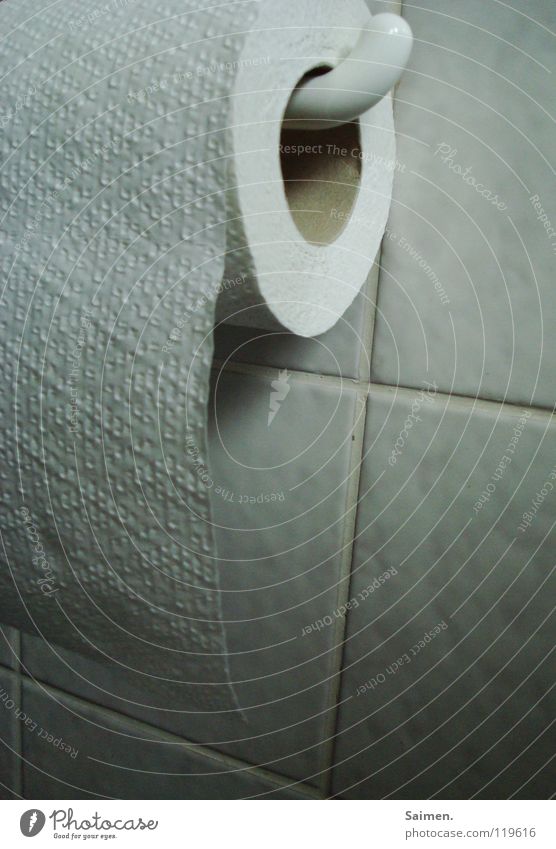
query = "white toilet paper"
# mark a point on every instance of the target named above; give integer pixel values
(303, 247)
(132, 195)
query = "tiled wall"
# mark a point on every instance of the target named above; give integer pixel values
(437, 681)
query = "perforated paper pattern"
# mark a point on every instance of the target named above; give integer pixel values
(112, 153)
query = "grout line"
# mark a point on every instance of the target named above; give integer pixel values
(19, 776)
(18, 783)
(271, 371)
(279, 782)
(364, 363)
(374, 386)
(465, 400)
(344, 585)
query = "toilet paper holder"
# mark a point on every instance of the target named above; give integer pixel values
(355, 85)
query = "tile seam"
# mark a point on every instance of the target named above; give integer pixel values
(19, 767)
(372, 386)
(387, 388)
(344, 588)
(19, 740)
(364, 359)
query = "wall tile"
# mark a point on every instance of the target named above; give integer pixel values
(281, 570)
(111, 757)
(9, 736)
(464, 710)
(466, 288)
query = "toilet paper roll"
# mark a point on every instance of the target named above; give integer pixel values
(308, 208)
(142, 175)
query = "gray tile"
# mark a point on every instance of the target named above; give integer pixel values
(466, 288)
(281, 570)
(466, 710)
(9, 646)
(112, 757)
(342, 352)
(9, 736)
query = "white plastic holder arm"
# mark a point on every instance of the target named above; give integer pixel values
(355, 85)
